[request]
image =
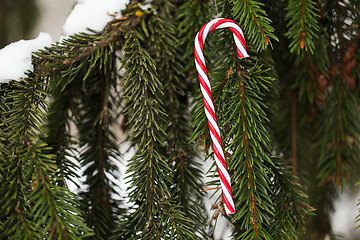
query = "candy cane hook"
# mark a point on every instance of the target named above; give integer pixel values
(208, 100)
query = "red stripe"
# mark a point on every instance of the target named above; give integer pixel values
(225, 182)
(214, 26)
(199, 61)
(205, 86)
(216, 134)
(222, 21)
(209, 109)
(239, 53)
(234, 30)
(201, 37)
(220, 157)
(239, 36)
(228, 205)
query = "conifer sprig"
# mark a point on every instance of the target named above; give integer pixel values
(254, 21)
(16, 220)
(56, 210)
(87, 79)
(58, 136)
(302, 17)
(249, 146)
(291, 204)
(69, 56)
(339, 151)
(155, 216)
(341, 132)
(27, 107)
(239, 87)
(191, 16)
(98, 144)
(34, 170)
(187, 184)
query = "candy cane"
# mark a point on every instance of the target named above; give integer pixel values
(208, 102)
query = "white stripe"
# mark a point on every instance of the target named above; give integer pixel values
(203, 75)
(211, 120)
(207, 98)
(240, 47)
(237, 41)
(207, 29)
(213, 123)
(211, 105)
(231, 25)
(230, 200)
(198, 49)
(223, 170)
(217, 145)
(227, 193)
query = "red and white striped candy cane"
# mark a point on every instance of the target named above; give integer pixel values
(208, 100)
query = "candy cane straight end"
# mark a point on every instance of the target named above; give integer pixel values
(229, 212)
(205, 86)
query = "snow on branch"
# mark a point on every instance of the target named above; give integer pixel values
(15, 59)
(93, 14)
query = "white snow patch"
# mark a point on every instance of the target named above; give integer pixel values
(15, 58)
(343, 219)
(145, 7)
(93, 14)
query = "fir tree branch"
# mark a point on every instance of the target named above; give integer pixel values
(341, 131)
(252, 154)
(254, 21)
(73, 50)
(53, 206)
(290, 201)
(98, 143)
(339, 147)
(303, 25)
(18, 122)
(167, 53)
(58, 134)
(26, 106)
(155, 216)
(238, 93)
(190, 15)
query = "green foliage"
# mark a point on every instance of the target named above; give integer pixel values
(254, 21)
(99, 150)
(187, 175)
(40, 171)
(59, 139)
(303, 25)
(155, 216)
(242, 90)
(248, 144)
(339, 146)
(312, 96)
(33, 205)
(191, 15)
(155, 62)
(290, 203)
(296, 104)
